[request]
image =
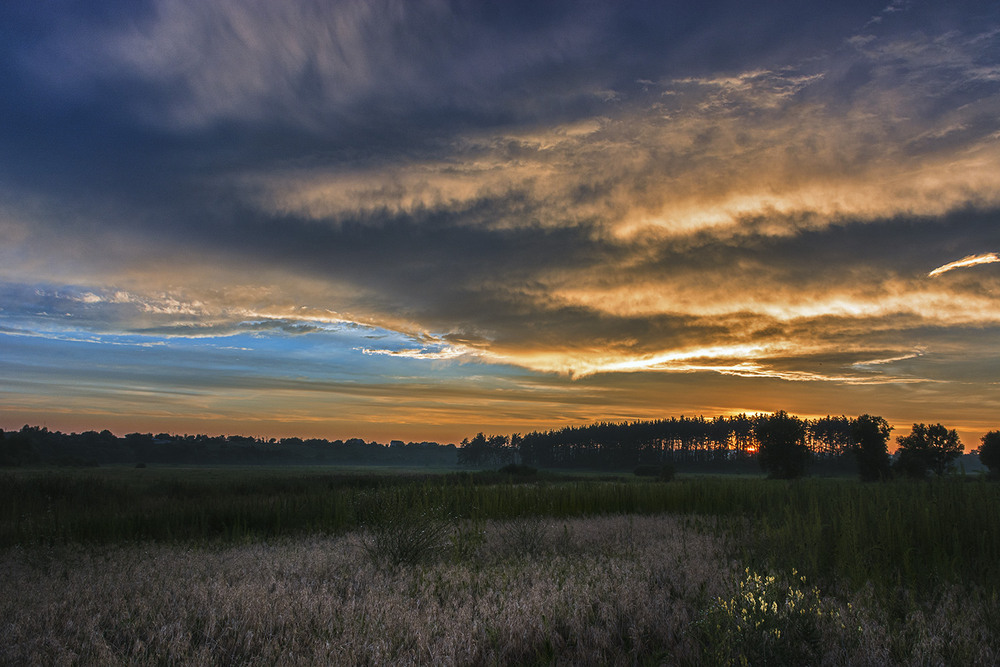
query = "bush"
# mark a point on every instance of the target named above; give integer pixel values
(397, 532)
(525, 536)
(518, 470)
(766, 622)
(665, 472)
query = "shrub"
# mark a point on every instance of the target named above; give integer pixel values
(525, 536)
(518, 470)
(765, 622)
(397, 532)
(665, 472)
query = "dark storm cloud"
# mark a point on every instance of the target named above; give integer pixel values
(596, 187)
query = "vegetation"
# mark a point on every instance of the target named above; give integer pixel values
(767, 621)
(687, 588)
(739, 444)
(870, 435)
(398, 533)
(989, 452)
(783, 452)
(127, 564)
(596, 591)
(883, 535)
(785, 446)
(518, 470)
(663, 472)
(34, 445)
(927, 449)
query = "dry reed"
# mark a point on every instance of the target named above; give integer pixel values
(611, 590)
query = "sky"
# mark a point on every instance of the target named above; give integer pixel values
(419, 220)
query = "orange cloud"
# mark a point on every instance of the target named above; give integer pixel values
(971, 260)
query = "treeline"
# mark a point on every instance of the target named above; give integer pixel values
(34, 445)
(679, 440)
(781, 444)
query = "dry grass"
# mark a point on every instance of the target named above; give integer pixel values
(617, 590)
(593, 591)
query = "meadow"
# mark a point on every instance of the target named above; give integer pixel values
(307, 565)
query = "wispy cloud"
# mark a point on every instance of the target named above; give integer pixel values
(774, 152)
(445, 353)
(971, 260)
(309, 64)
(887, 360)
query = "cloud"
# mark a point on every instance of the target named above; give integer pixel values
(443, 353)
(575, 190)
(757, 152)
(971, 260)
(309, 64)
(888, 360)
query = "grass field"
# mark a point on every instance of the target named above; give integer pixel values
(195, 565)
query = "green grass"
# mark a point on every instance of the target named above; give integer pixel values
(900, 533)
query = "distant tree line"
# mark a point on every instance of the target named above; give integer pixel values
(783, 445)
(624, 445)
(34, 445)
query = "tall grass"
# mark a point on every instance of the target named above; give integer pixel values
(63, 508)
(318, 600)
(909, 533)
(621, 590)
(902, 533)
(905, 533)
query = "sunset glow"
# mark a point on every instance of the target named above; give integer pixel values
(388, 219)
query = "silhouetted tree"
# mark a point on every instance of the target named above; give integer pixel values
(989, 452)
(486, 450)
(15, 449)
(685, 441)
(472, 452)
(830, 436)
(782, 449)
(870, 435)
(927, 448)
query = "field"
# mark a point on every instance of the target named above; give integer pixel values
(307, 566)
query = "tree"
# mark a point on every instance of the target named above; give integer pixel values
(486, 450)
(782, 449)
(830, 436)
(16, 449)
(927, 448)
(870, 435)
(472, 452)
(989, 452)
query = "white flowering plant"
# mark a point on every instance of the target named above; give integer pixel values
(766, 621)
